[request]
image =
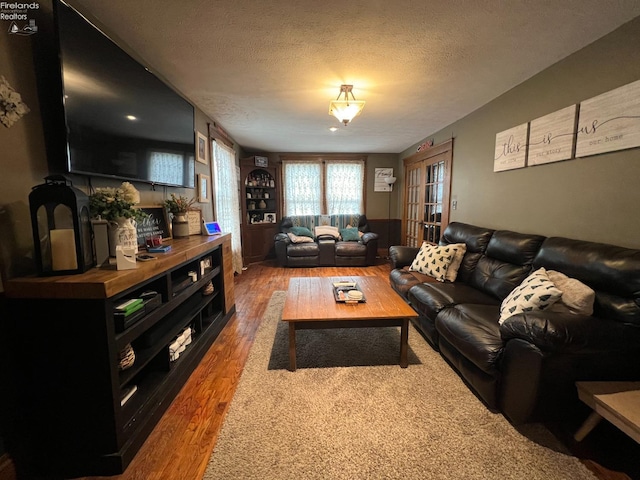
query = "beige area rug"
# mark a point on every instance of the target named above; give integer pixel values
(335, 418)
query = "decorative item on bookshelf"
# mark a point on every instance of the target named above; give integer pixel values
(61, 228)
(179, 205)
(122, 232)
(261, 161)
(180, 226)
(127, 357)
(116, 205)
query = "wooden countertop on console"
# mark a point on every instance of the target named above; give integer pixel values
(105, 282)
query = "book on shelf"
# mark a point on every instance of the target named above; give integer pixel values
(127, 394)
(129, 305)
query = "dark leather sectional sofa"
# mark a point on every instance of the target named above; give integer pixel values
(326, 250)
(527, 366)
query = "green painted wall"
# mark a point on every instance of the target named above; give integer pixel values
(592, 198)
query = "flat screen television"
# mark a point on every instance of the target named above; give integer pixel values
(104, 113)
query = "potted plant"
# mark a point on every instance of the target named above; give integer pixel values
(178, 206)
(116, 206)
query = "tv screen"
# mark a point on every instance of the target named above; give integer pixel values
(112, 117)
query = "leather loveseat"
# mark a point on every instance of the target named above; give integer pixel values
(325, 249)
(526, 367)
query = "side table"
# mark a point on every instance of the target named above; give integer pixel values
(617, 402)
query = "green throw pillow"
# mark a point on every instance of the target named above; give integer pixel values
(350, 235)
(301, 231)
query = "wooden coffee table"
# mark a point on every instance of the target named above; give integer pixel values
(310, 304)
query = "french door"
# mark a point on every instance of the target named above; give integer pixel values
(426, 194)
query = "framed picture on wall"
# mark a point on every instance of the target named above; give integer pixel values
(261, 161)
(202, 148)
(203, 188)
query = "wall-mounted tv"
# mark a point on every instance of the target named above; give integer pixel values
(104, 113)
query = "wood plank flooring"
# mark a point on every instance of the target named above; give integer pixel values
(180, 445)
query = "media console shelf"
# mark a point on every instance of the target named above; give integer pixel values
(66, 411)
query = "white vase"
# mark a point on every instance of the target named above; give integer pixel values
(180, 225)
(122, 231)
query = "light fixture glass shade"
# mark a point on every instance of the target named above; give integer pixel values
(390, 180)
(345, 110)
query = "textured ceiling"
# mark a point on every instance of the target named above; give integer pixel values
(266, 71)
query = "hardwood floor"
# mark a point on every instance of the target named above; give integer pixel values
(180, 445)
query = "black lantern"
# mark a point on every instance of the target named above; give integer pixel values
(61, 227)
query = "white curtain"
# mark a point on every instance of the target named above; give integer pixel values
(227, 202)
(345, 182)
(303, 188)
(329, 187)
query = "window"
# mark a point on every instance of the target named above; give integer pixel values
(316, 185)
(227, 199)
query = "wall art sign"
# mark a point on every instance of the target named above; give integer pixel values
(155, 223)
(511, 148)
(610, 121)
(552, 137)
(379, 184)
(194, 217)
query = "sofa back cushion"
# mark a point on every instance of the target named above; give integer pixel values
(506, 263)
(311, 221)
(476, 239)
(613, 272)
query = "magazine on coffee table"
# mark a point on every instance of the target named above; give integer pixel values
(348, 292)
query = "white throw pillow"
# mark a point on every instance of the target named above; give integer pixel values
(454, 266)
(299, 238)
(327, 230)
(536, 292)
(433, 260)
(576, 297)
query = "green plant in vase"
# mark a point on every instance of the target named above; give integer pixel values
(178, 206)
(117, 207)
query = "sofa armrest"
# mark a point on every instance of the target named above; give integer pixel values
(282, 237)
(565, 332)
(401, 255)
(369, 236)
(282, 241)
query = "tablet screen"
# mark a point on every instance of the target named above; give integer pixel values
(212, 228)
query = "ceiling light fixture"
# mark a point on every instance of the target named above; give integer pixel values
(345, 110)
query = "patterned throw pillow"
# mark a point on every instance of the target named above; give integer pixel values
(433, 260)
(536, 292)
